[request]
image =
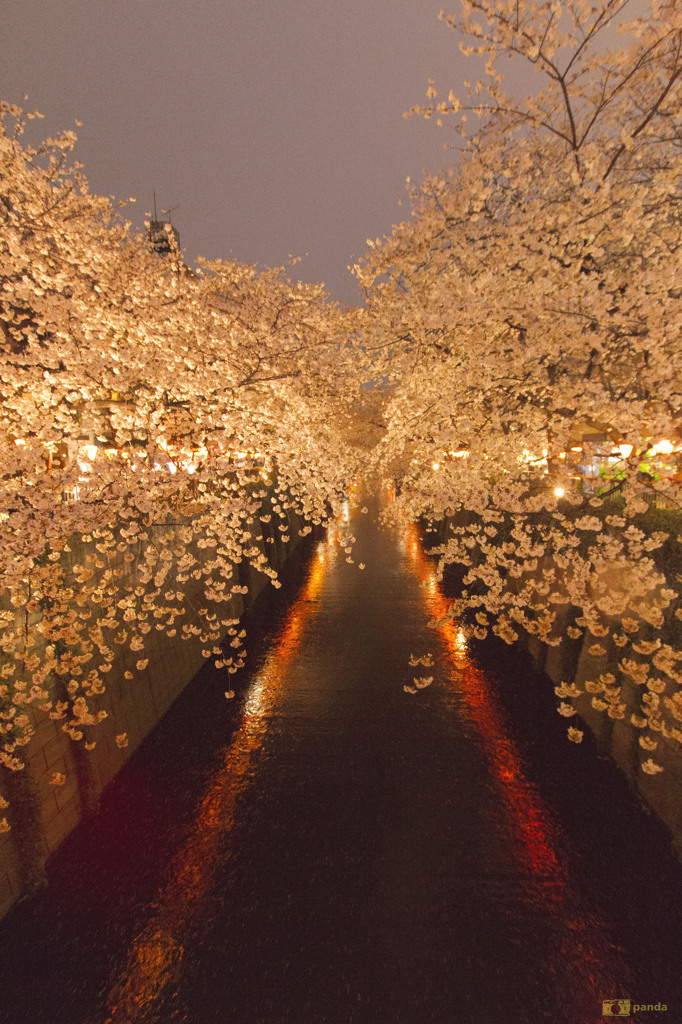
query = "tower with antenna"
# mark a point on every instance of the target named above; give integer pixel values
(163, 237)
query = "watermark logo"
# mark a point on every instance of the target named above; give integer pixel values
(615, 1008)
(625, 1007)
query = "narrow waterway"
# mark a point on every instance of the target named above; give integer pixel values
(331, 848)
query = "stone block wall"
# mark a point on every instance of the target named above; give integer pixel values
(571, 661)
(618, 738)
(41, 814)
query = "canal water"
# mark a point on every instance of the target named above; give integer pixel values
(330, 847)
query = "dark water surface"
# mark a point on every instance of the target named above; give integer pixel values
(330, 849)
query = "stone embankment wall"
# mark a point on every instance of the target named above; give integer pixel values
(42, 815)
(572, 662)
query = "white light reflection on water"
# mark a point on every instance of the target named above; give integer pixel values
(256, 703)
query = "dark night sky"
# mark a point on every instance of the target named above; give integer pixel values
(275, 128)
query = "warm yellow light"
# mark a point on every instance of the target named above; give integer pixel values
(527, 456)
(663, 448)
(625, 450)
(576, 449)
(20, 442)
(562, 455)
(436, 465)
(559, 491)
(91, 451)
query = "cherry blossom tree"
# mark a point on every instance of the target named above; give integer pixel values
(521, 327)
(526, 323)
(157, 423)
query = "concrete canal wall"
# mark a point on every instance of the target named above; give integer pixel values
(42, 815)
(618, 738)
(572, 662)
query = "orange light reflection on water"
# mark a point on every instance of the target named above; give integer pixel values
(528, 817)
(156, 953)
(585, 953)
